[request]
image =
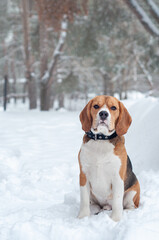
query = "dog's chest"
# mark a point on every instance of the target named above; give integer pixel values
(100, 165)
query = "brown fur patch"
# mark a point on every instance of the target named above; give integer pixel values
(136, 199)
(124, 120)
(120, 151)
(82, 177)
(86, 118)
(117, 139)
(86, 139)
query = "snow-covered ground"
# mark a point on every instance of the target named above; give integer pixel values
(39, 191)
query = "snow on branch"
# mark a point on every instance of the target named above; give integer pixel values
(48, 74)
(143, 17)
(154, 9)
(147, 74)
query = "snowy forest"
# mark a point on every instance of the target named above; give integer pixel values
(55, 53)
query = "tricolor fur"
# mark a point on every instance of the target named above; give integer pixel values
(106, 177)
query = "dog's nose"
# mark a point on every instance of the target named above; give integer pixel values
(103, 115)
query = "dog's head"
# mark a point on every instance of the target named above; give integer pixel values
(105, 114)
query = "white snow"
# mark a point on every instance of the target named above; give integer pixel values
(9, 38)
(39, 191)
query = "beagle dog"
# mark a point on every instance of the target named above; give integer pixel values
(106, 177)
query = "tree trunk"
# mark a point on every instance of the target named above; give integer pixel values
(106, 80)
(43, 34)
(31, 81)
(32, 93)
(45, 98)
(14, 77)
(126, 95)
(24, 91)
(44, 89)
(47, 76)
(104, 86)
(120, 95)
(5, 92)
(52, 100)
(111, 88)
(61, 100)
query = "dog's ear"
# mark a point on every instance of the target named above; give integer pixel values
(86, 118)
(124, 120)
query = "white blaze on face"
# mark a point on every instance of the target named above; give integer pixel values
(101, 126)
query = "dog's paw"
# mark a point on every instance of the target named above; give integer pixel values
(84, 213)
(95, 209)
(107, 207)
(116, 217)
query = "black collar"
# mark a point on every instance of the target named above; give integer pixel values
(100, 136)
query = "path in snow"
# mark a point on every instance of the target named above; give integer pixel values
(39, 191)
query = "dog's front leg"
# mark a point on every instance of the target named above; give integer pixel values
(117, 204)
(84, 201)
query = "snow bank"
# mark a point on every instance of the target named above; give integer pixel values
(39, 192)
(142, 138)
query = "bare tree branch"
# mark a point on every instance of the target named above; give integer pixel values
(143, 17)
(154, 9)
(47, 77)
(147, 74)
(26, 34)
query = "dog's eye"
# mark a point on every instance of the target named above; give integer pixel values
(96, 106)
(113, 108)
